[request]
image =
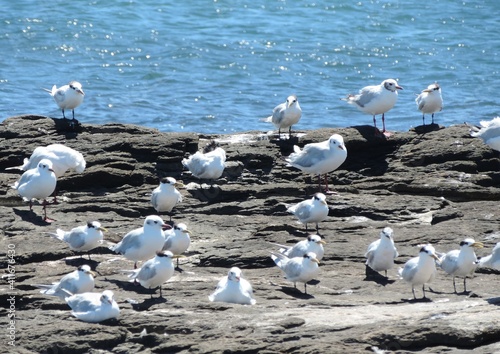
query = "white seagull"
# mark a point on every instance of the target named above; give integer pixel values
(312, 210)
(177, 240)
(142, 243)
(63, 158)
(233, 289)
(420, 270)
(82, 238)
(297, 269)
(208, 164)
(382, 252)
(285, 115)
(165, 197)
(377, 99)
(79, 281)
(430, 101)
(489, 132)
(39, 183)
(312, 243)
(319, 158)
(94, 307)
(68, 96)
(155, 271)
(493, 260)
(461, 263)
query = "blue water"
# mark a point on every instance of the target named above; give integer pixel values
(220, 65)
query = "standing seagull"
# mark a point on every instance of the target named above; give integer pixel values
(233, 289)
(377, 99)
(142, 243)
(430, 101)
(82, 238)
(79, 281)
(208, 164)
(493, 260)
(312, 243)
(165, 197)
(94, 307)
(298, 269)
(489, 132)
(420, 270)
(68, 96)
(319, 158)
(155, 271)
(63, 158)
(285, 115)
(177, 240)
(311, 210)
(39, 182)
(382, 252)
(461, 263)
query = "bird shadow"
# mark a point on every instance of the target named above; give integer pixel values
(427, 128)
(494, 301)
(76, 262)
(371, 275)
(296, 293)
(416, 301)
(369, 132)
(147, 303)
(67, 127)
(31, 216)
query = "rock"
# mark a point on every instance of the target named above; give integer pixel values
(431, 184)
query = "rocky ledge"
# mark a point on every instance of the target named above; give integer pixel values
(434, 185)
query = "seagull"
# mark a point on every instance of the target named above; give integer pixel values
(461, 263)
(79, 281)
(68, 96)
(489, 132)
(311, 210)
(94, 307)
(312, 243)
(208, 164)
(493, 260)
(297, 269)
(319, 158)
(233, 289)
(155, 271)
(430, 101)
(39, 182)
(177, 240)
(82, 238)
(376, 99)
(165, 197)
(63, 158)
(382, 252)
(420, 270)
(142, 243)
(285, 115)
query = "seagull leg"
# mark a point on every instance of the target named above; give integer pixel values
(374, 121)
(423, 119)
(319, 183)
(279, 133)
(290, 132)
(305, 288)
(432, 118)
(465, 286)
(383, 122)
(423, 290)
(413, 291)
(45, 218)
(178, 268)
(161, 295)
(135, 265)
(63, 114)
(454, 287)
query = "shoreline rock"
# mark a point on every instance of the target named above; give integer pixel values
(431, 184)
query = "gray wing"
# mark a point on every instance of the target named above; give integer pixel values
(365, 96)
(130, 240)
(310, 156)
(147, 271)
(449, 262)
(59, 96)
(489, 133)
(292, 269)
(303, 212)
(410, 269)
(76, 238)
(26, 177)
(168, 243)
(279, 113)
(154, 199)
(196, 164)
(80, 303)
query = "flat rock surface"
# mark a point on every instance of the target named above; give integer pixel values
(431, 184)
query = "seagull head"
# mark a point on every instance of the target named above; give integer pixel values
(291, 100)
(154, 221)
(386, 233)
(319, 197)
(86, 270)
(316, 239)
(469, 242)
(312, 257)
(107, 297)
(234, 274)
(77, 87)
(432, 87)
(336, 141)
(96, 225)
(45, 164)
(428, 250)
(391, 85)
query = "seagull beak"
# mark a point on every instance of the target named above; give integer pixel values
(51, 170)
(477, 245)
(237, 278)
(435, 257)
(427, 90)
(315, 260)
(321, 242)
(166, 227)
(399, 87)
(179, 184)
(81, 92)
(187, 232)
(341, 147)
(102, 229)
(94, 274)
(323, 202)
(178, 256)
